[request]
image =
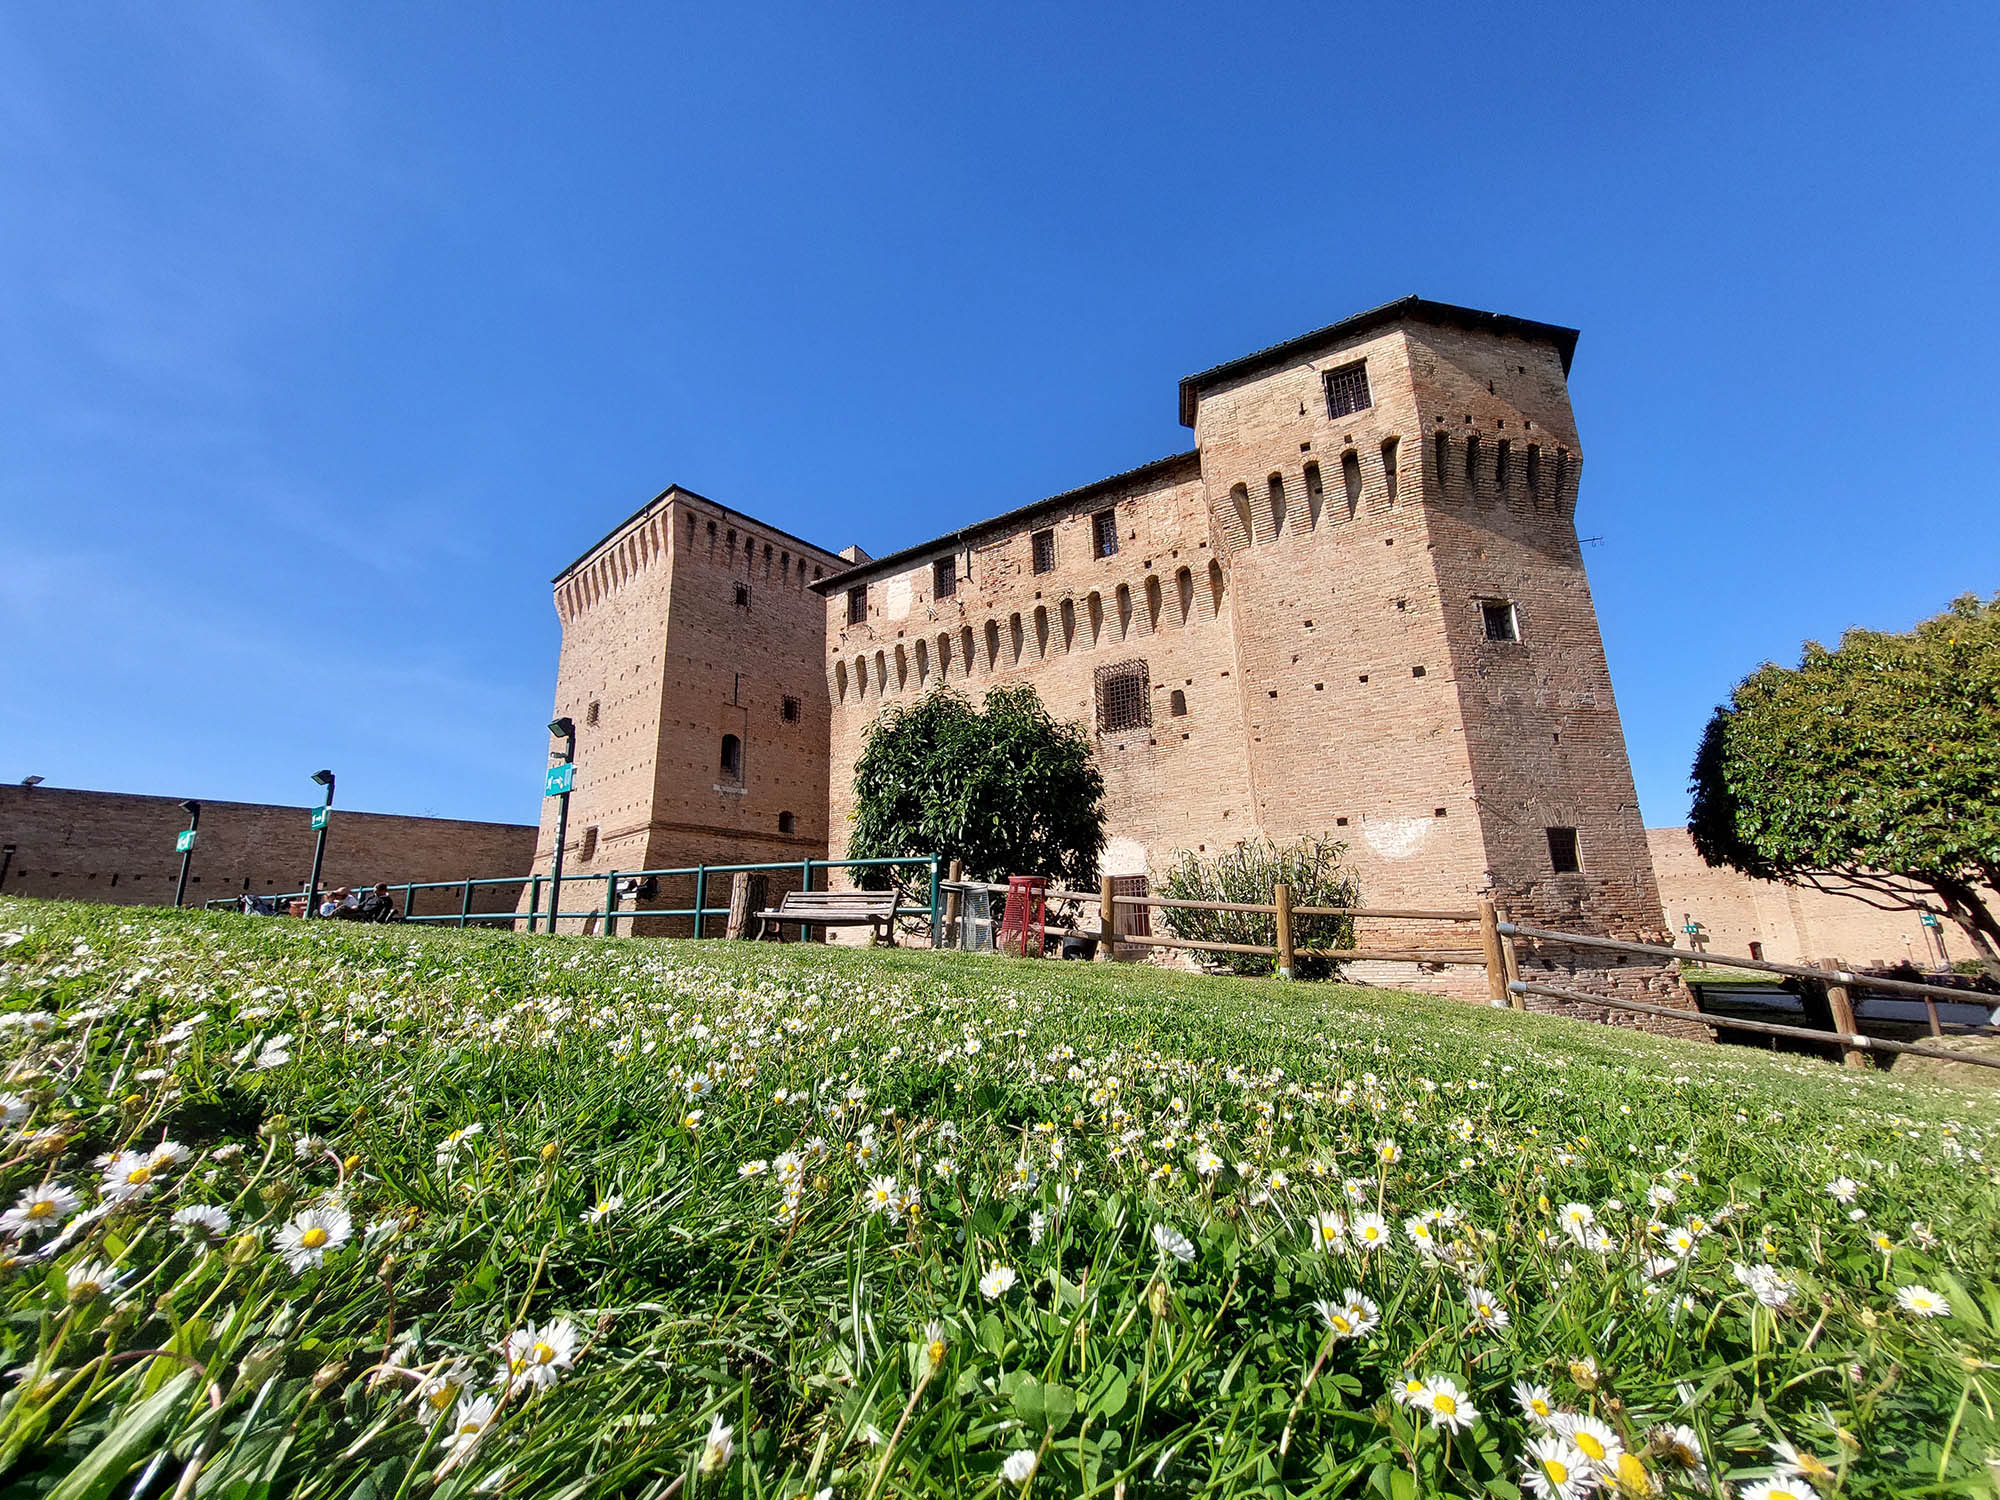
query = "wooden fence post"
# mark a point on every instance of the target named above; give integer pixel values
(1107, 923)
(1843, 1016)
(953, 904)
(1511, 959)
(1497, 993)
(1281, 897)
(746, 894)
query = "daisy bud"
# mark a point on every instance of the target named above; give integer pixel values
(351, 1163)
(261, 1363)
(328, 1375)
(244, 1249)
(551, 1151)
(1156, 1298)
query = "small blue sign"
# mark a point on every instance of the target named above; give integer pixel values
(559, 780)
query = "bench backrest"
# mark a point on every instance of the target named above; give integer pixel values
(840, 901)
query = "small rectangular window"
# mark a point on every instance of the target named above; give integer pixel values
(1347, 390)
(1124, 697)
(944, 578)
(857, 605)
(1045, 550)
(1498, 617)
(1562, 851)
(790, 711)
(742, 596)
(1104, 533)
(588, 849)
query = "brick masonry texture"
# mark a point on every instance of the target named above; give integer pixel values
(118, 848)
(689, 623)
(1788, 924)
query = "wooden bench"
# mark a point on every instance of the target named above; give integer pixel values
(876, 909)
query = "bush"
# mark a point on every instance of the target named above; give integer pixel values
(1312, 867)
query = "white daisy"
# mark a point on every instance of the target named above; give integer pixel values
(1922, 1301)
(1329, 1231)
(200, 1221)
(1536, 1404)
(1353, 1317)
(1171, 1242)
(89, 1281)
(128, 1176)
(538, 1356)
(1368, 1232)
(1595, 1441)
(603, 1208)
(1445, 1404)
(39, 1210)
(1019, 1466)
(308, 1239)
(1555, 1470)
(1487, 1313)
(475, 1415)
(998, 1281)
(717, 1447)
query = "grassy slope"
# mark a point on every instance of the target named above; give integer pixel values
(1110, 1359)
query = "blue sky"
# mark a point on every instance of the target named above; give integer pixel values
(328, 334)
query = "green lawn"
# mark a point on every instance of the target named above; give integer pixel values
(783, 1221)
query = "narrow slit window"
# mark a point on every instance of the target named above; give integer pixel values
(1562, 851)
(1276, 486)
(587, 850)
(1350, 474)
(1472, 463)
(1534, 467)
(1441, 445)
(1347, 390)
(1391, 450)
(1502, 452)
(732, 757)
(1177, 704)
(1315, 494)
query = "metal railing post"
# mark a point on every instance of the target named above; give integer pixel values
(611, 904)
(534, 902)
(465, 903)
(937, 876)
(700, 895)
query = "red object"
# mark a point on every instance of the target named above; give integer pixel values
(1024, 924)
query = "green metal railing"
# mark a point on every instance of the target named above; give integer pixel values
(612, 909)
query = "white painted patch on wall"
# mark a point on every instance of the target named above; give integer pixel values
(1396, 838)
(1123, 857)
(896, 599)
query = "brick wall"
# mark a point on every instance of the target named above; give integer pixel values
(1788, 924)
(119, 848)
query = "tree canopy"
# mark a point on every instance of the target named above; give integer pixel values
(1007, 788)
(1866, 767)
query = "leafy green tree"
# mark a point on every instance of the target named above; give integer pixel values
(1868, 770)
(1007, 788)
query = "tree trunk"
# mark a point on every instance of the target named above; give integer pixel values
(1964, 905)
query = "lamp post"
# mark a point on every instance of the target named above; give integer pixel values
(320, 819)
(186, 841)
(563, 729)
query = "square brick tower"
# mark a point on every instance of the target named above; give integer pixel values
(1421, 667)
(690, 667)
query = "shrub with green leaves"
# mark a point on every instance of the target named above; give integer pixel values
(1247, 875)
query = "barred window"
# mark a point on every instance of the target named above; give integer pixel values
(1562, 851)
(1104, 533)
(1347, 390)
(857, 605)
(1045, 551)
(789, 710)
(1124, 697)
(944, 577)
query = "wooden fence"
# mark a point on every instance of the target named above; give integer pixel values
(1499, 956)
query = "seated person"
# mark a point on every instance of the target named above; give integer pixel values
(340, 904)
(377, 906)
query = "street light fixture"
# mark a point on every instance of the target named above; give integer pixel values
(193, 809)
(563, 729)
(320, 820)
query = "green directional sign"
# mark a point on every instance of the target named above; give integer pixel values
(1929, 918)
(560, 780)
(184, 841)
(322, 816)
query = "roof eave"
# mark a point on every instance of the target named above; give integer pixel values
(1403, 309)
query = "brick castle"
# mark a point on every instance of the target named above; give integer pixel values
(1356, 606)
